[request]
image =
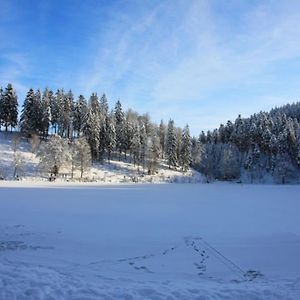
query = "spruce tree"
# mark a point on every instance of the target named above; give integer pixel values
(103, 106)
(143, 139)
(91, 131)
(110, 136)
(27, 114)
(185, 153)
(1, 107)
(153, 146)
(120, 122)
(79, 114)
(136, 145)
(171, 145)
(65, 114)
(162, 137)
(46, 112)
(9, 110)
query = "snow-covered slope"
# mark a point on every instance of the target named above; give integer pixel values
(114, 172)
(200, 241)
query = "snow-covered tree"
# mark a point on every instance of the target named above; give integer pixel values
(152, 155)
(9, 108)
(82, 155)
(27, 115)
(144, 144)
(65, 114)
(120, 127)
(91, 132)
(171, 145)
(55, 103)
(1, 108)
(136, 145)
(162, 137)
(45, 112)
(54, 154)
(186, 150)
(229, 164)
(103, 106)
(110, 135)
(79, 114)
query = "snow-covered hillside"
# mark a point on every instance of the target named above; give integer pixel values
(216, 241)
(114, 172)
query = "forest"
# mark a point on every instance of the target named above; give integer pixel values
(264, 147)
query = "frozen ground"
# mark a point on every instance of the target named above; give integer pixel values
(164, 241)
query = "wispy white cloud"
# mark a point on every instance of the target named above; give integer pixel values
(179, 53)
(197, 61)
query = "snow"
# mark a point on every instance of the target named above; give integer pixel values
(110, 173)
(145, 241)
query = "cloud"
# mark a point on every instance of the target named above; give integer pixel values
(196, 61)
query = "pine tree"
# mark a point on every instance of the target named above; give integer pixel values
(27, 115)
(136, 145)
(1, 107)
(153, 146)
(144, 140)
(55, 103)
(79, 114)
(9, 110)
(110, 136)
(37, 112)
(46, 112)
(162, 137)
(229, 165)
(31, 120)
(128, 134)
(92, 126)
(65, 113)
(185, 153)
(91, 131)
(103, 105)
(171, 145)
(120, 122)
(59, 112)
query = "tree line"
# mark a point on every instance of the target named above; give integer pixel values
(266, 144)
(108, 132)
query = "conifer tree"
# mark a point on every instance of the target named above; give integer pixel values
(27, 115)
(120, 121)
(153, 146)
(65, 114)
(162, 137)
(46, 112)
(136, 145)
(103, 106)
(79, 114)
(185, 153)
(110, 136)
(171, 145)
(1, 107)
(144, 140)
(56, 106)
(9, 108)
(91, 131)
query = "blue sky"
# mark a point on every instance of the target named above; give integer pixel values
(198, 62)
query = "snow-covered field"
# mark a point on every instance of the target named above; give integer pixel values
(163, 241)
